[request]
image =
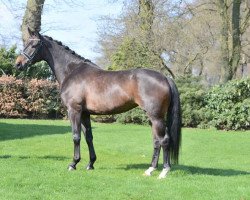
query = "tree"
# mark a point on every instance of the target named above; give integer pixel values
(233, 26)
(7, 58)
(186, 36)
(32, 17)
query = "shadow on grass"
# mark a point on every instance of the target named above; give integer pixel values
(184, 170)
(20, 131)
(46, 157)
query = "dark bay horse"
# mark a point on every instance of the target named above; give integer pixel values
(87, 89)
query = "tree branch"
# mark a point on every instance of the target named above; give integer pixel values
(245, 23)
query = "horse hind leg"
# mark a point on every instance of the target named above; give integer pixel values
(155, 157)
(161, 139)
(166, 157)
(87, 131)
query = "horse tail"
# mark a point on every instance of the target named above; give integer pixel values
(174, 122)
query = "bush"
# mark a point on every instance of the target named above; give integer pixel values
(135, 116)
(31, 99)
(12, 101)
(228, 106)
(7, 59)
(40, 70)
(192, 95)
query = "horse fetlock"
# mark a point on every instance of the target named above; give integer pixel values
(164, 173)
(90, 166)
(77, 159)
(71, 167)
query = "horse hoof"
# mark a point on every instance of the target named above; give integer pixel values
(90, 167)
(71, 168)
(149, 171)
(163, 173)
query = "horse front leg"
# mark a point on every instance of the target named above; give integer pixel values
(75, 119)
(87, 131)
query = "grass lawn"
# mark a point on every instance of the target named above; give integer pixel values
(34, 155)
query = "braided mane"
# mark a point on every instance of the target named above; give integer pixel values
(66, 48)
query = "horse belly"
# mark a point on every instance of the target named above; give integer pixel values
(109, 103)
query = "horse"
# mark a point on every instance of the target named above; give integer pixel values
(87, 89)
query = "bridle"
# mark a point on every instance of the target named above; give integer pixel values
(30, 57)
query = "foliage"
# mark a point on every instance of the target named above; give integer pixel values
(32, 99)
(192, 100)
(197, 37)
(135, 116)
(40, 70)
(131, 54)
(7, 60)
(35, 153)
(12, 99)
(228, 106)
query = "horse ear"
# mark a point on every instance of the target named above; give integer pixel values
(31, 33)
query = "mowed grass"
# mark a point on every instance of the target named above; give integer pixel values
(34, 155)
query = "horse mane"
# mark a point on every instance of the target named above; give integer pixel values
(67, 48)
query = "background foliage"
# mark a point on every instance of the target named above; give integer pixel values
(222, 106)
(31, 99)
(228, 106)
(39, 70)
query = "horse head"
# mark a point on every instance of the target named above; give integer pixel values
(31, 52)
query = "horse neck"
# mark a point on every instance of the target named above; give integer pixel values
(58, 59)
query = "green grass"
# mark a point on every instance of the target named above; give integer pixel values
(34, 155)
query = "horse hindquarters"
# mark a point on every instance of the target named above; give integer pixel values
(165, 134)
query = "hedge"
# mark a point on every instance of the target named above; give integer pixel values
(228, 106)
(29, 98)
(224, 107)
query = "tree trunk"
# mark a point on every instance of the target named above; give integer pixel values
(236, 43)
(146, 16)
(226, 68)
(230, 48)
(32, 17)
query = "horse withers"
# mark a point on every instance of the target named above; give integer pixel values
(87, 89)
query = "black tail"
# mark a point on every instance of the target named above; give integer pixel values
(174, 122)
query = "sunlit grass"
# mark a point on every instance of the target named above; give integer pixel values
(34, 155)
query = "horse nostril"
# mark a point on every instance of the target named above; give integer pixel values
(18, 65)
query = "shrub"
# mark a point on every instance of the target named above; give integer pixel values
(228, 106)
(192, 95)
(12, 101)
(43, 99)
(32, 99)
(135, 116)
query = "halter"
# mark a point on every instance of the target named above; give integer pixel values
(30, 57)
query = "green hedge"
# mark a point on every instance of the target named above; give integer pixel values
(228, 106)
